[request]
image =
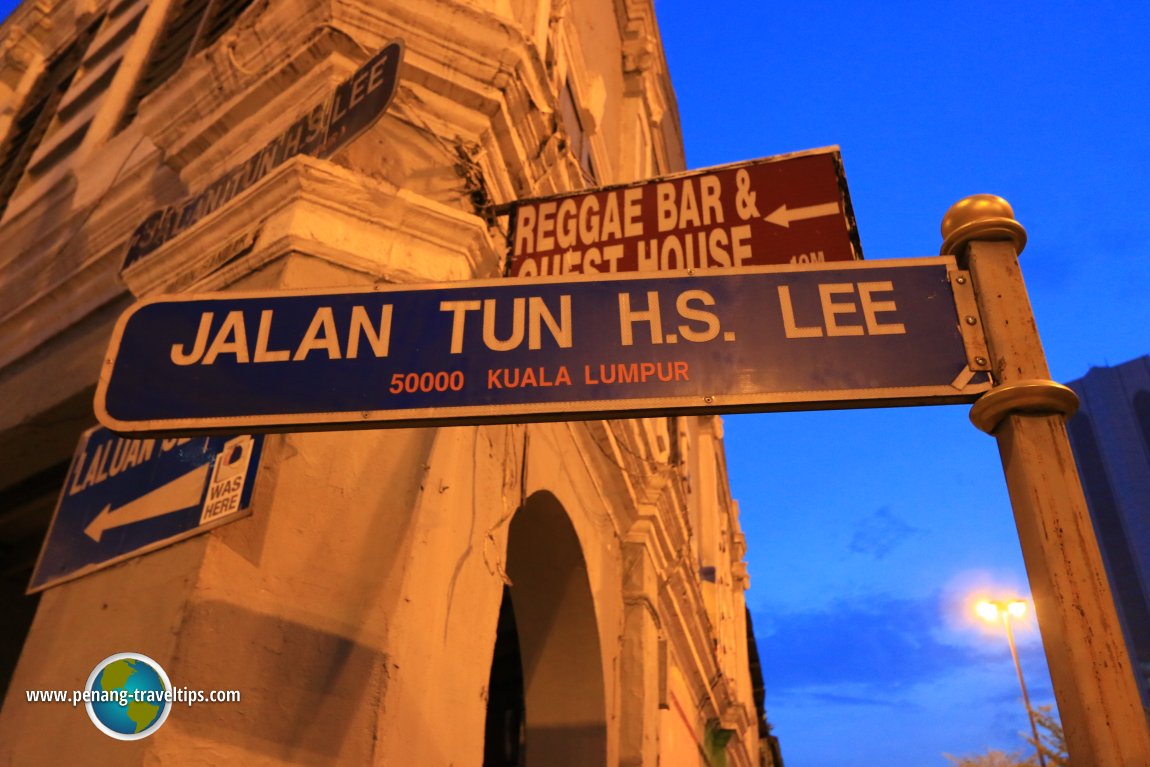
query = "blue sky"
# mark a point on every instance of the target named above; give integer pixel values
(869, 530)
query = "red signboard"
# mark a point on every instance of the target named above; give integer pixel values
(790, 209)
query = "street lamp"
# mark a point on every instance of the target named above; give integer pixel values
(991, 610)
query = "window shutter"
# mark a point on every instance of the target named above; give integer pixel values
(223, 14)
(34, 117)
(83, 99)
(192, 25)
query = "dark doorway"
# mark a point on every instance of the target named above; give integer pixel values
(558, 635)
(504, 741)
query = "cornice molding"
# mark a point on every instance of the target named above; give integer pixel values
(317, 208)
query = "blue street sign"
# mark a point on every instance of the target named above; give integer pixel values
(123, 497)
(767, 338)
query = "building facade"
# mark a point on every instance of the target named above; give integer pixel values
(541, 594)
(1110, 436)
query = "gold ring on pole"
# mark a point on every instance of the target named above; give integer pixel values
(1033, 396)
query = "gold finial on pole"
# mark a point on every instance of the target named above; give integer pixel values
(980, 217)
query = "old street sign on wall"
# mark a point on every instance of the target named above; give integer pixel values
(355, 104)
(766, 338)
(123, 497)
(790, 209)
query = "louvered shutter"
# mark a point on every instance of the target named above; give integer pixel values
(36, 115)
(192, 25)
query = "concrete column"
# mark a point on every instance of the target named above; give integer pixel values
(643, 665)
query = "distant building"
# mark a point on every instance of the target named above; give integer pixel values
(571, 591)
(1110, 436)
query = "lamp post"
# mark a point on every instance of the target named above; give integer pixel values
(991, 611)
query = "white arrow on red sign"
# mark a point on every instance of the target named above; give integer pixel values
(783, 216)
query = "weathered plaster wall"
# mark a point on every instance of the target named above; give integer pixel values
(355, 609)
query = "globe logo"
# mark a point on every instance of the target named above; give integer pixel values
(128, 696)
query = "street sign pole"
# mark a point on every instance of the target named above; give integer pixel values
(1094, 684)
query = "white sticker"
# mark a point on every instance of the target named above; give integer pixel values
(228, 476)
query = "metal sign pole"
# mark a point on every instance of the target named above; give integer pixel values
(1094, 684)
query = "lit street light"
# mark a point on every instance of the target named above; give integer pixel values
(991, 610)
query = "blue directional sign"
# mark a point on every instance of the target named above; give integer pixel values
(766, 338)
(123, 497)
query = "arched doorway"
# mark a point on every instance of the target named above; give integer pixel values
(505, 733)
(548, 621)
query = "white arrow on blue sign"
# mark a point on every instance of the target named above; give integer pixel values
(874, 333)
(123, 497)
